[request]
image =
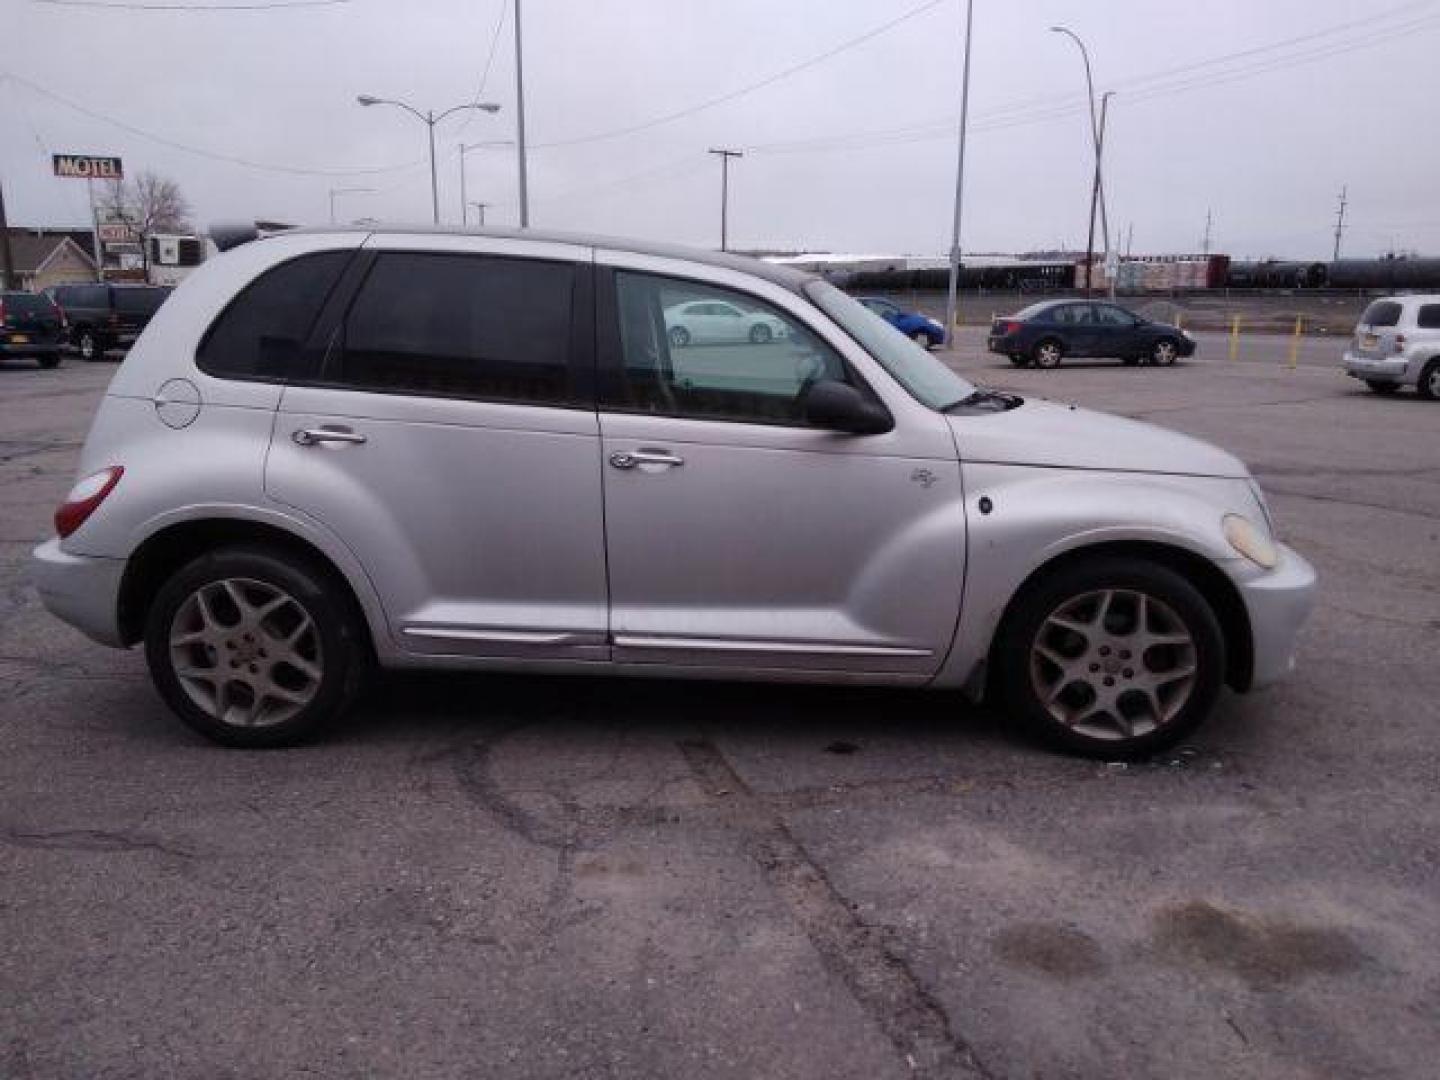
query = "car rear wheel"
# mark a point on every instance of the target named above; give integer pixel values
(1111, 658)
(253, 649)
(679, 336)
(1048, 353)
(1382, 387)
(760, 334)
(90, 345)
(1428, 385)
(1164, 352)
(49, 360)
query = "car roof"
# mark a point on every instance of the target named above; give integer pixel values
(784, 276)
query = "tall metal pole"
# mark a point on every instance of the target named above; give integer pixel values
(520, 120)
(434, 180)
(464, 205)
(7, 272)
(951, 300)
(725, 156)
(1095, 140)
(95, 231)
(1340, 223)
(1100, 189)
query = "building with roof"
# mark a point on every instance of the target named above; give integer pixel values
(45, 257)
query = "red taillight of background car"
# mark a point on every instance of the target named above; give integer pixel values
(2, 312)
(84, 497)
(1007, 326)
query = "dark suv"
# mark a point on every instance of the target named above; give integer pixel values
(30, 325)
(105, 316)
(1045, 333)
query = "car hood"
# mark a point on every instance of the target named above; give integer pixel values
(1066, 436)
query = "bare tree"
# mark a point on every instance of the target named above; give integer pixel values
(150, 204)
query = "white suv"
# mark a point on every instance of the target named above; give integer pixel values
(1397, 343)
(339, 448)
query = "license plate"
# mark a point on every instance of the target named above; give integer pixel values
(1369, 341)
(19, 339)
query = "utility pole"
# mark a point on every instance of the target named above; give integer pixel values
(520, 121)
(7, 272)
(725, 156)
(1340, 221)
(1205, 243)
(951, 300)
(480, 206)
(1111, 270)
(1129, 239)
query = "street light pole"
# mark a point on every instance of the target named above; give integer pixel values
(725, 156)
(430, 119)
(951, 300)
(520, 121)
(465, 148)
(1095, 140)
(1100, 189)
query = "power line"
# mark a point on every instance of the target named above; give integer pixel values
(489, 61)
(721, 99)
(133, 5)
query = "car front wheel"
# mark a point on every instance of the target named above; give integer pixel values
(1164, 352)
(88, 345)
(679, 336)
(1111, 658)
(254, 649)
(760, 334)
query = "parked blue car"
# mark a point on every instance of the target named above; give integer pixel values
(919, 329)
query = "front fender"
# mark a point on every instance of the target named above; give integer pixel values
(1037, 514)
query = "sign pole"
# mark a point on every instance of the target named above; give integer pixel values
(95, 232)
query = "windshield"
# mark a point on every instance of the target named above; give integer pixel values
(928, 380)
(28, 304)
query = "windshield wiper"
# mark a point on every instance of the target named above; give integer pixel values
(986, 401)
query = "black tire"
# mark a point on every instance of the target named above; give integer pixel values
(1382, 388)
(1019, 360)
(339, 642)
(1164, 352)
(1428, 385)
(1047, 353)
(760, 334)
(1017, 671)
(679, 336)
(923, 339)
(89, 345)
(1132, 361)
(49, 360)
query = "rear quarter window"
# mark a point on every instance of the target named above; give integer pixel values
(262, 333)
(1428, 318)
(1382, 313)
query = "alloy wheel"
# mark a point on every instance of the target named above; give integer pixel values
(1113, 664)
(1165, 352)
(246, 652)
(1047, 355)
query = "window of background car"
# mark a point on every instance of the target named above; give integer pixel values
(925, 378)
(1428, 317)
(474, 326)
(1106, 315)
(1071, 315)
(84, 295)
(689, 349)
(1382, 313)
(30, 305)
(262, 334)
(140, 300)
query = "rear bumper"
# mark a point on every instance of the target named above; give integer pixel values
(1278, 602)
(82, 590)
(34, 348)
(1377, 369)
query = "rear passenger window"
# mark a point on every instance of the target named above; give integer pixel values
(262, 334)
(1428, 317)
(1382, 313)
(470, 326)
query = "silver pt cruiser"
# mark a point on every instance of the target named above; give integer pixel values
(335, 449)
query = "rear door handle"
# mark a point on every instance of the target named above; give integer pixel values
(628, 459)
(312, 436)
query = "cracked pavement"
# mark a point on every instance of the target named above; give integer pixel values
(526, 877)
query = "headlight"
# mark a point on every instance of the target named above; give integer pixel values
(1250, 541)
(1187, 335)
(935, 324)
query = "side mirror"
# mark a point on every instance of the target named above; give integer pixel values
(838, 406)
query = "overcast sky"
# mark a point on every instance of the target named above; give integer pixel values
(855, 152)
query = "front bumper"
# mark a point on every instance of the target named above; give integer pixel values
(82, 590)
(1186, 345)
(1278, 602)
(1376, 369)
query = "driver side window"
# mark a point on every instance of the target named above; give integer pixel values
(694, 350)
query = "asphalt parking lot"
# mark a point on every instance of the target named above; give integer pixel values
(521, 877)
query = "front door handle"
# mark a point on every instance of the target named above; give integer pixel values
(313, 436)
(628, 459)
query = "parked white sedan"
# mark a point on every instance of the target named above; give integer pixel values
(715, 322)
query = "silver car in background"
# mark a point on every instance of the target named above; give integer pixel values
(1397, 343)
(333, 449)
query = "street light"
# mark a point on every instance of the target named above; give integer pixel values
(1097, 190)
(346, 191)
(430, 119)
(951, 301)
(465, 148)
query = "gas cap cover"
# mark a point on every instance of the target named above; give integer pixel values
(177, 403)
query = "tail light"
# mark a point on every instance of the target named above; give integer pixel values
(2, 312)
(60, 311)
(1399, 342)
(85, 497)
(1007, 326)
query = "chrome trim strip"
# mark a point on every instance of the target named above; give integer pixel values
(511, 637)
(642, 641)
